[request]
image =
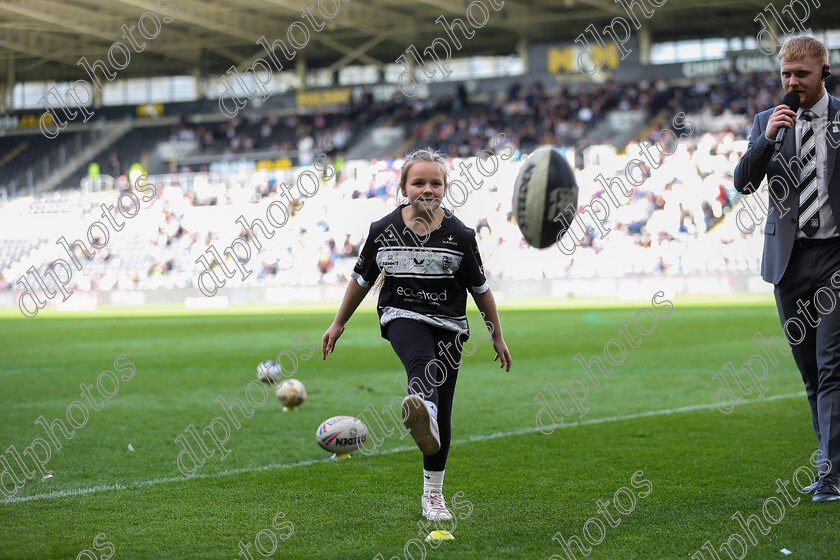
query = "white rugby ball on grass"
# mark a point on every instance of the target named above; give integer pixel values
(341, 434)
(291, 393)
(545, 187)
(268, 371)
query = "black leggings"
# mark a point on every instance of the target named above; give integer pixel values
(430, 373)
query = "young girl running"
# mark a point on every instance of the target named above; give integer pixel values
(426, 260)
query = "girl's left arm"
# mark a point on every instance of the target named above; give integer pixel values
(487, 305)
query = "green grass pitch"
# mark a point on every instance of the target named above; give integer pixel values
(654, 413)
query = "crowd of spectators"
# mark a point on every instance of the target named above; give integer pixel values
(533, 116)
(673, 223)
(457, 124)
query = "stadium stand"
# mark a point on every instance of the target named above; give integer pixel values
(197, 205)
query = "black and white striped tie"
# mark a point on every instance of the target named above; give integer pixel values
(809, 208)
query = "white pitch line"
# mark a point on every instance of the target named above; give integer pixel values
(154, 481)
(524, 431)
(471, 439)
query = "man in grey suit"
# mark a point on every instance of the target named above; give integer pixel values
(801, 237)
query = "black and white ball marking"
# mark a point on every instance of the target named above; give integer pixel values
(545, 197)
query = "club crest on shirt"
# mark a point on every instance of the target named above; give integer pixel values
(832, 131)
(447, 262)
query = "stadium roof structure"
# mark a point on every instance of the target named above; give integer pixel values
(44, 39)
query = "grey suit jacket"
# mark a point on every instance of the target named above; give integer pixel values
(783, 176)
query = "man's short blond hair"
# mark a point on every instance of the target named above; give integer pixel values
(802, 47)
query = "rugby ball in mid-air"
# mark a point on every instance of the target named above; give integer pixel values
(545, 197)
(291, 393)
(268, 371)
(341, 434)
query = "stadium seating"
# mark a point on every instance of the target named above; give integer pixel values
(648, 235)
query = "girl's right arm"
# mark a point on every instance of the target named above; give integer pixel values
(352, 298)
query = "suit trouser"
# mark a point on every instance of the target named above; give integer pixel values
(809, 308)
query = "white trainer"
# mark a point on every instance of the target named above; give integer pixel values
(434, 506)
(421, 424)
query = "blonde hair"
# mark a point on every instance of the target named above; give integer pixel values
(423, 154)
(802, 47)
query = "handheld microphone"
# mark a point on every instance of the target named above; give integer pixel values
(792, 101)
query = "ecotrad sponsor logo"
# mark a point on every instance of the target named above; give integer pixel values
(422, 294)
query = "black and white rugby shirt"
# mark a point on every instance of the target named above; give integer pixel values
(426, 281)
